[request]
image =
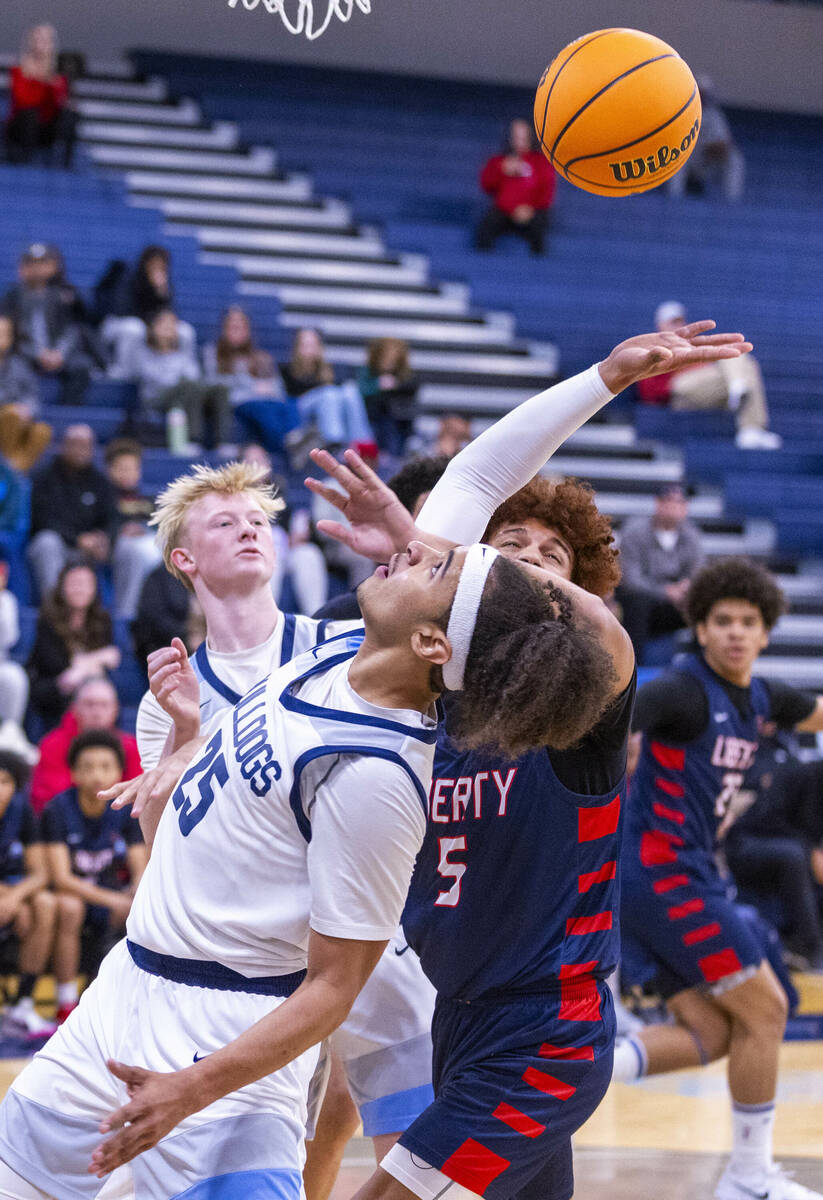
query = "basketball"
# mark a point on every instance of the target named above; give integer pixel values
(617, 112)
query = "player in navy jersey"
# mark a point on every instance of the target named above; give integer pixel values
(96, 857)
(700, 723)
(27, 907)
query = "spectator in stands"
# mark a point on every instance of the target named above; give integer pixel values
(72, 509)
(170, 379)
(14, 682)
(27, 906)
(73, 640)
(96, 857)
(389, 390)
(658, 556)
(94, 705)
(775, 847)
(135, 553)
(716, 161)
(521, 184)
(454, 432)
(151, 289)
(307, 368)
(331, 415)
(49, 321)
(41, 116)
(164, 611)
(734, 384)
(22, 439)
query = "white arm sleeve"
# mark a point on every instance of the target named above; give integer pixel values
(153, 726)
(506, 456)
(367, 825)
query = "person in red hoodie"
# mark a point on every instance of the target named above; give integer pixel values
(94, 706)
(41, 116)
(521, 183)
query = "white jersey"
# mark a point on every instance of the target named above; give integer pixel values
(225, 677)
(306, 808)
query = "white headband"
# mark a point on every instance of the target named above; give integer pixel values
(476, 566)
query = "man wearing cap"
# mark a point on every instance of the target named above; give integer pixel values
(735, 385)
(658, 556)
(46, 314)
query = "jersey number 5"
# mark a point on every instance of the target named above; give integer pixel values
(451, 870)
(209, 771)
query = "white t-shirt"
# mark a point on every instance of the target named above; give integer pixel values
(232, 877)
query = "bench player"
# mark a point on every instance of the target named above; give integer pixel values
(700, 722)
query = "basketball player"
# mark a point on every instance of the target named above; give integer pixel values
(700, 723)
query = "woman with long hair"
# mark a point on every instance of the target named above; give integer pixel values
(254, 383)
(41, 117)
(389, 390)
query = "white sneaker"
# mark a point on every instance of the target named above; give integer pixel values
(777, 1185)
(24, 1013)
(752, 438)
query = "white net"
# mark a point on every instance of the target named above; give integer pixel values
(299, 16)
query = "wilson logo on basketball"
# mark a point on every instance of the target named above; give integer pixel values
(663, 157)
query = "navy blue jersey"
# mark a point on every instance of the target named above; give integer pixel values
(681, 792)
(515, 886)
(97, 845)
(18, 830)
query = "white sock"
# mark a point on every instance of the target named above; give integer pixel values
(630, 1060)
(752, 1126)
(67, 993)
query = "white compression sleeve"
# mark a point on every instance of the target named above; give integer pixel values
(507, 455)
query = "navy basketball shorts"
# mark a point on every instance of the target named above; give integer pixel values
(680, 928)
(513, 1078)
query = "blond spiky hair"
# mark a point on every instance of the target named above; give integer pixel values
(173, 504)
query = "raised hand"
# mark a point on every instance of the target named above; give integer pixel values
(155, 786)
(379, 525)
(158, 1102)
(174, 685)
(658, 353)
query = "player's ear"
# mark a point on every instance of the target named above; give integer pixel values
(700, 633)
(182, 559)
(429, 642)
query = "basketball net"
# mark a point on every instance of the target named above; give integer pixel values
(298, 15)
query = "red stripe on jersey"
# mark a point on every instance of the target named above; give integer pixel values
(599, 822)
(669, 883)
(570, 1053)
(657, 848)
(581, 925)
(718, 966)
(668, 757)
(668, 814)
(702, 934)
(548, 1084)
(678, 911)
(575, 970)
(579, 1000)
(519, 1121)
(671, 789)
(474, 1166)
(589, 878)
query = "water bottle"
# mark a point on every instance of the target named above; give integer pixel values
(177, 430)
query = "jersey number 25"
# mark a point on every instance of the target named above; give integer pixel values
(203, 775)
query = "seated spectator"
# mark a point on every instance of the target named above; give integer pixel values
(22, 439)
(72, 509)
(307, 368)
(27, 907)
(732, 384)
(73, 640)
(658, 556)
(135, 551)
(389, 390)
(716, 161)
(169, 379)
(94, 705)
(521, 183)
(453, 434)
(14, 682)
(41, 117)
(329, 414)
(163, 612)
(151, 289)
(49, 318)
(775, 847)
(96, 857)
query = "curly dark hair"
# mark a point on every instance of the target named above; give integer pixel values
(93, 739)
(734, 579)
(417, 476)
(568, 507)
(534, 676)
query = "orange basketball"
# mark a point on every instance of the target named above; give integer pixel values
(618, 111)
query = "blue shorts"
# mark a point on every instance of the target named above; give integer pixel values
(514, 1078)
(681, 928)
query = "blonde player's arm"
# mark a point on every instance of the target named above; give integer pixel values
(175, 692)
(148, 793)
